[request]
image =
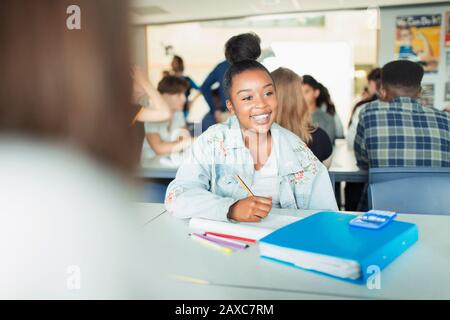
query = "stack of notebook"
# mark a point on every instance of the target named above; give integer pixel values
(253, 231)
(325, 243)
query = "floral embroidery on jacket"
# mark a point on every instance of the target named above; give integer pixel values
(218, 144)
(306, 175)
(220, 153)
(172, 194)
(299, 176)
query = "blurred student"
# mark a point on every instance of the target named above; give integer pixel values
(277, 166)
(397, 131)
(293, 113)
(67, 226)
(148, 101)
(177, 65)
(354, 191)
(365, 93)
(314, 95)
(373, 89)
(447, 109)
(217, 113)
(326, 104)
(166, 137)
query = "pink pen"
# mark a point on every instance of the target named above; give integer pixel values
(222, 242)
(240, 244)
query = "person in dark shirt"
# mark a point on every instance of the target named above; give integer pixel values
(214, 77)
(373, 89)
(178, 70)
(293, 113)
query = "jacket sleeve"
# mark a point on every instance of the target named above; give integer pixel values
(189, 194)
(322, 194)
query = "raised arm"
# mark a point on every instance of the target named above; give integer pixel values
(166, 147)
(160, 110)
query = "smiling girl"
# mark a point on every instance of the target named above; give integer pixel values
(273, 162)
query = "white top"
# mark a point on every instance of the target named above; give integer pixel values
(166, 132)
(67, 229)
(351, 134)
(266, 181)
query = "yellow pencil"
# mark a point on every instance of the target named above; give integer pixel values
(244, 185)
(189, 279)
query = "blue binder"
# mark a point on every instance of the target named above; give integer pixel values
(328, 233)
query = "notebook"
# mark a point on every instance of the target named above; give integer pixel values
(325, 243)
(249, 230)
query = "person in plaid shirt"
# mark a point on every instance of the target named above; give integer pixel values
(397, 131)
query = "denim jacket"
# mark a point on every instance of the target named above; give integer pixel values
(206, 185)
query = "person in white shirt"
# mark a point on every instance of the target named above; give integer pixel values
(373, 88)
(166, 137)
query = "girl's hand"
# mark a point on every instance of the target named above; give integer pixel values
(251, 209)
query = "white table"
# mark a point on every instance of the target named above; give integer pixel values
(149, 211)
(422, 272)
(343, 164)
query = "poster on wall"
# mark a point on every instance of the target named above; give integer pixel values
(417, 39)
(447, 77)
(447, 29)
(427, 95)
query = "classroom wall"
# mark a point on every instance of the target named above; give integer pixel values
(201, 45)
(139, 46)
(387, 43)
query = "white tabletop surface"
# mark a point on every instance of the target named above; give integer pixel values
(343, 157)
(422, 272)
(149, 211)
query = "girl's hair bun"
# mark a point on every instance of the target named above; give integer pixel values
(245, 46)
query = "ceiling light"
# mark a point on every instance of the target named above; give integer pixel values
(270, 2)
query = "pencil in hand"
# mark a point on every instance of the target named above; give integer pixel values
(244, 185)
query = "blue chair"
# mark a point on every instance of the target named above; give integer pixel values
(155, 190)
(420, 190)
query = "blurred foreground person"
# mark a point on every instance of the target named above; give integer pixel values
(67, 152)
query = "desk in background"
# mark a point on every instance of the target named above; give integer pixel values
(419, 273)
(343, 164)
(157, 176)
